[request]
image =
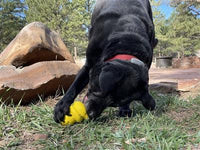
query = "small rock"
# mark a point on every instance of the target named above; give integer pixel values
(2, 143)
(40, 136)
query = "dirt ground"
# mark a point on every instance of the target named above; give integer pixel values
(173, 75)
(185, 81)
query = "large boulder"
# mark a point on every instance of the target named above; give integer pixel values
(42, 78)
(35, 63)
(34, 43)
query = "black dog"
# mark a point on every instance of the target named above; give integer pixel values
(118, 57)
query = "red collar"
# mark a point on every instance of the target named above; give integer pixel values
(122, 57)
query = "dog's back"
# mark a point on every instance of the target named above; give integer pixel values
(119, 25)
(122, 7)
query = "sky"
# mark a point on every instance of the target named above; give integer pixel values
(165, 8)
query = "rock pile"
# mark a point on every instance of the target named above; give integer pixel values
(36, 62)
(186, 62)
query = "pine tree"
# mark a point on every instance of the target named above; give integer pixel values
(161, 29)
(179, 34)
(185, 28)
(70, 18)
(11, 20)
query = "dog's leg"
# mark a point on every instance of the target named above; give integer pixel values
(148, 101)
(62, 107)
(125, 111)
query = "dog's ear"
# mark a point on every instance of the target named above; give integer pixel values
(109, 78)
(155, 43)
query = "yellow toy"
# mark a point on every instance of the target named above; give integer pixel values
(78, 114)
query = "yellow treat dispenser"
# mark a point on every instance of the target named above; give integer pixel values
(78, 114)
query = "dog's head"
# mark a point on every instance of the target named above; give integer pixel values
(115, 83)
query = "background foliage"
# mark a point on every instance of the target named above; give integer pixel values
(70, 18)
(178, 35)
(11, 20)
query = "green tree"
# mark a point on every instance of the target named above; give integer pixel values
(181, 32)
(161, 30)
(79, 24)
(70, 18)
(185, 28)
(11, 20)
(190, 6)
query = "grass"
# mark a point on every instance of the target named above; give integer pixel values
(175, 124)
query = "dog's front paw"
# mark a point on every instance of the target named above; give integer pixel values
(61, 109)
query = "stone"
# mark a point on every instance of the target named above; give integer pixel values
(164, 87)
(34, 43)
(42, 78)
(35, 63)
(40, 136)
(2, 143)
